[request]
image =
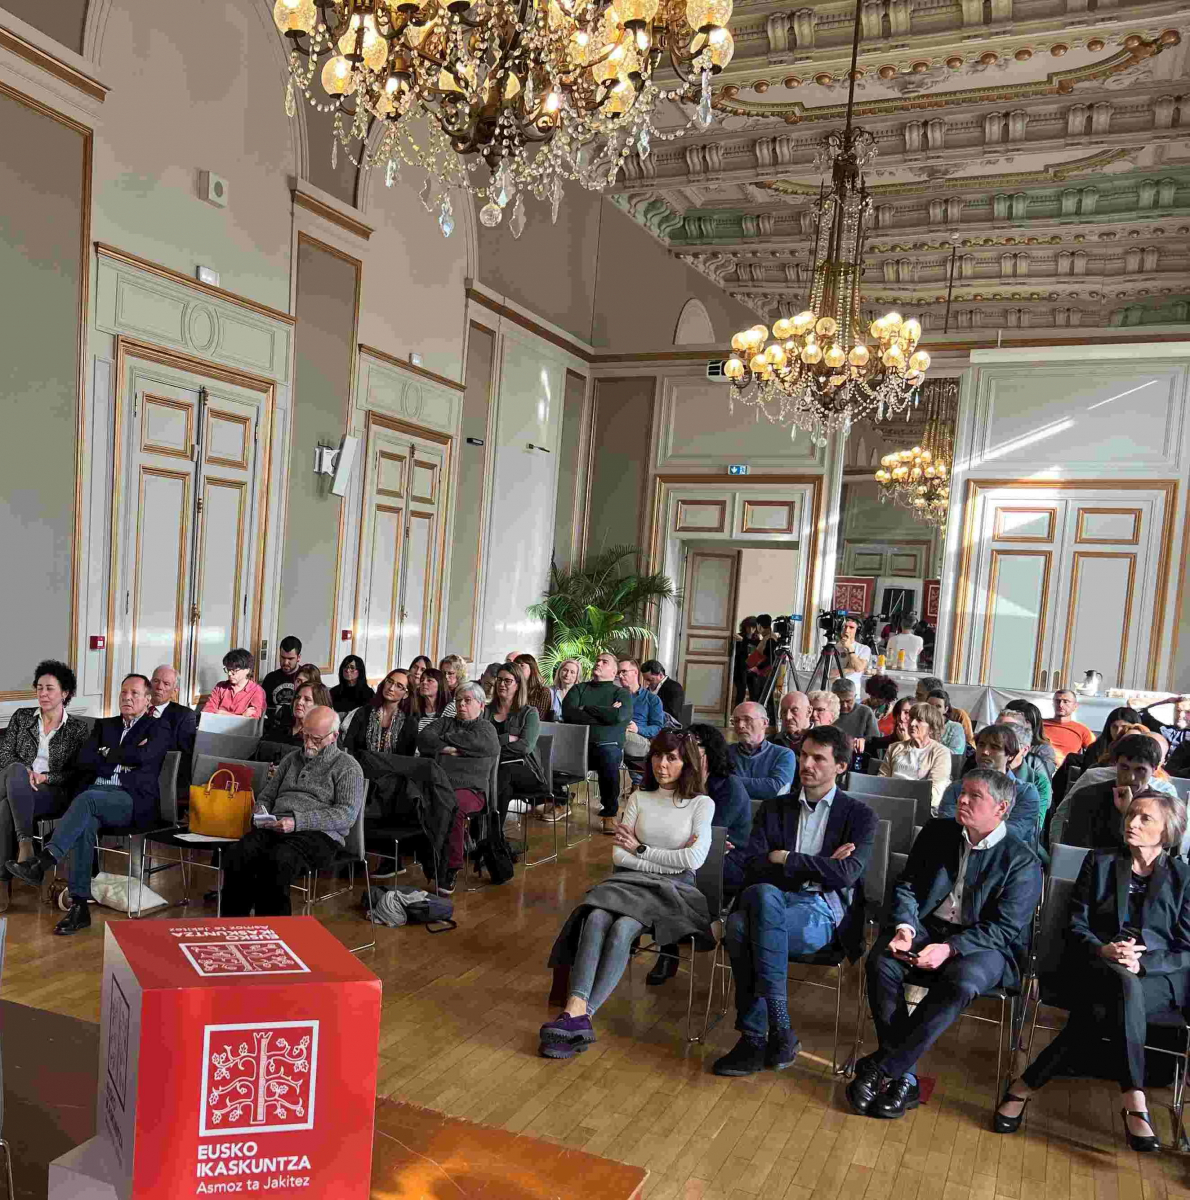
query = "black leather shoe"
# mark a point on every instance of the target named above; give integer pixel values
(77, 919)
(863, 1090)
(746, 1057)
(1143, 1145)
(31, 871)
(665, 968)
(897, 1099)
(1003, 1124)
(782, 1049)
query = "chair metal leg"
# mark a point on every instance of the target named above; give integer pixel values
(548, 858)
(367, 889)
(12, 1194)
(838, 1016)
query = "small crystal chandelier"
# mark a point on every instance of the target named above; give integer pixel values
(919, 479)
(501, 97)
(818, 373)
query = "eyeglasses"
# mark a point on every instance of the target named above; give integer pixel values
(400, 687)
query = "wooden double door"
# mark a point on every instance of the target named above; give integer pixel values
(401, 551)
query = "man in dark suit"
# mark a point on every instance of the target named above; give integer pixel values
(801, 872)
(124, 759)
(180, 722)
(960, 916)
(669, 691)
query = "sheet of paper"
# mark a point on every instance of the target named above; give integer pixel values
(202, 837)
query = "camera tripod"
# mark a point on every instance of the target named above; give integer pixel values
(829, 660)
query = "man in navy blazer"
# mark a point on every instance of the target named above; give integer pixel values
(801, 874)
(180, 722)
(960, 917)
(124, 757)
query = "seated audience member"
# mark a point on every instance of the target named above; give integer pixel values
(606, 707)
(1121, 965)
(279, 685)
(512, 656)
(849, 646)
(1029, 769)
(315, 797)
(953, 737)
(767, 770)
(922, 695)
(487, 680)
(538, 691)
(648, 716)
(794, 721)
(669, 691)
(122, 759)
(518, 727)
(801, 874)
(881, 692)
(384, 724)
(960, 915)
(903, 639)
(898, 727)
(454, 672)
(308, 673)
(824, 708)
(733, 812)
(1093, 816)
(922, 756)
(286, 729)
(464, 745)
(38, 761)
(855, 720)
(661, 842)
(237, 695)
(353, 689)
(1098, 752)
(997, 748)
(181, 722)
(1066, 735)
(1041, 754)
(432, 700)
(569, 672)
(1177, 733)
(417, 668)
(1159, 782)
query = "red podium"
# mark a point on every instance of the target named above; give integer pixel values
(237, 1056)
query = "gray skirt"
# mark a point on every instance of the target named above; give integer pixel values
(668, 906)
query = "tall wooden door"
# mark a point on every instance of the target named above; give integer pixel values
(1059, 582)
(708, 629)
(401, 549)
(186, 545)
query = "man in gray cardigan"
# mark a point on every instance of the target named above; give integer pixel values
(314, 796)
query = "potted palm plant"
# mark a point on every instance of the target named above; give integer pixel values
(600, 604)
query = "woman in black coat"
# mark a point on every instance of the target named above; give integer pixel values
(1128, 958)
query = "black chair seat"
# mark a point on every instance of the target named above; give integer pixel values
(136, 830)
(829, 956)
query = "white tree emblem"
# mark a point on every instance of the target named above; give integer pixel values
(262, 1081)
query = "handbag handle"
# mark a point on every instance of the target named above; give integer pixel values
(235, 785)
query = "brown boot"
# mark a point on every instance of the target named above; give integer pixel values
(609, 825)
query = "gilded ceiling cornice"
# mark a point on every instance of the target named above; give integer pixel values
(1054, 174)
(1057, 83)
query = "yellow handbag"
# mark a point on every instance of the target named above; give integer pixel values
(221, 811)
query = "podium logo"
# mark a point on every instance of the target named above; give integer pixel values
(259, 1077)
(243, 958)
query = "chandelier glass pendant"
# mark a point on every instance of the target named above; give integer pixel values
(501, 97)
(919, 479)
(819, 373)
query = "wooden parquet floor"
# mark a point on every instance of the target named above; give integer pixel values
(458, 1034)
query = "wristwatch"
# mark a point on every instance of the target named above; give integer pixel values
(641, 847)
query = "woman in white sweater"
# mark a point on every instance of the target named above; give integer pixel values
(661, 840)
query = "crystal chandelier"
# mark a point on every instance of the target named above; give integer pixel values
(501, 97)
(818, 373)
(919, 479)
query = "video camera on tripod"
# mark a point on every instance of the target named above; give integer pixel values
(830, 622)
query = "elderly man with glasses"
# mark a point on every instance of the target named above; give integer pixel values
(767, 770)
(312, 801)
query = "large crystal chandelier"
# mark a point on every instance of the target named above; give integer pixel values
(501, 97)
(919, 478)
(818, 373)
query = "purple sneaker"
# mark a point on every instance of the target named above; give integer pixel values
(565, 1036)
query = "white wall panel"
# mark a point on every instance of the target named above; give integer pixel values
(1016, 615)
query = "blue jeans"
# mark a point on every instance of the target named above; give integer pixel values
(77, 831)
(605, 761)
(767, 929)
